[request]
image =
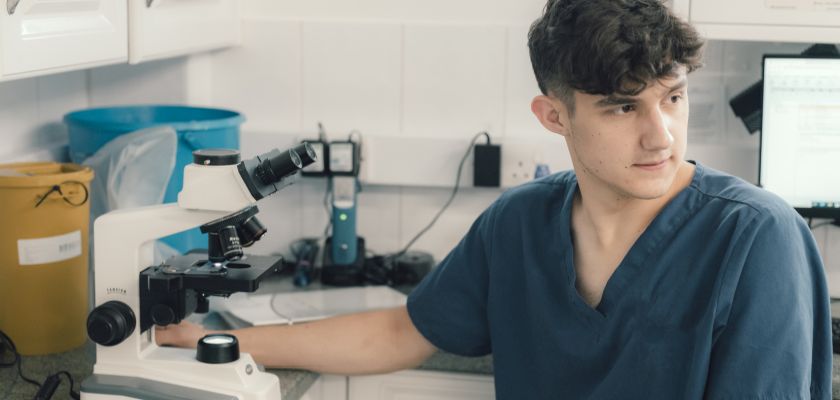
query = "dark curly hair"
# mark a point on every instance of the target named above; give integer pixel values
(609, 47)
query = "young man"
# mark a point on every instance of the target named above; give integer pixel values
(638, 275)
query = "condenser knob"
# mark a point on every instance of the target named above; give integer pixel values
(110, 323)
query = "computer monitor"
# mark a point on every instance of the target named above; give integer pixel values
(800, 133)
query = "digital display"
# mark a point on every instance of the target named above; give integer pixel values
(800, 135)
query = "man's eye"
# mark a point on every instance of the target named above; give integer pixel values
(676, 98)
(626, 109)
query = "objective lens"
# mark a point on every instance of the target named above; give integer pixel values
(250, 231)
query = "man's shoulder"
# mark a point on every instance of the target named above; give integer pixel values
(737, 193)
(744, 198)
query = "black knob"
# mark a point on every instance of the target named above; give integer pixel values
(217, 348)
(202, 305)
(216, 157)
(162, 314)
(110, 323)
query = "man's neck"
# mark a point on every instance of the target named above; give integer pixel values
(612, 219)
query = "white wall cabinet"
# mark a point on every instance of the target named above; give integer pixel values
(421, 385)
(39, 37)
(807, 21)
(167, 28)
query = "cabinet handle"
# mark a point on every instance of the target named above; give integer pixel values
(149, 3)
(11, 6)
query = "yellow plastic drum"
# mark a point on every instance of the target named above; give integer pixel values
(45, 211)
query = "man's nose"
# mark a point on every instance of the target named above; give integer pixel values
(656, 135)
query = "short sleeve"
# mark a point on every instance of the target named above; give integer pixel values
(449, 307)
(776, 343)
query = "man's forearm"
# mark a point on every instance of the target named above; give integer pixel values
(366, 343)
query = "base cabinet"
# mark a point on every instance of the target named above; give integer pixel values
(404, 385)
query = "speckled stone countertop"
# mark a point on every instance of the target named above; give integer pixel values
(293, 383)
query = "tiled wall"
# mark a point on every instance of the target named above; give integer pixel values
(31, 112)
(393, 69)
(415, 75)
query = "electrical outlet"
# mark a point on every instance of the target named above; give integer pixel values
(519, 161)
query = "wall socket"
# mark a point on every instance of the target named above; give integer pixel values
(519, 161)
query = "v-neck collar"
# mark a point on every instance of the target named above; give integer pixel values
(670, 218)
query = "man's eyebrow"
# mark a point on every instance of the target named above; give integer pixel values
(613, 100)
(679, 85)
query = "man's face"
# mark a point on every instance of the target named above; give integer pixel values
(631, 146)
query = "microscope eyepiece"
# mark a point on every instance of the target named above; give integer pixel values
(277, 165)
(270, 172)
(307, 153)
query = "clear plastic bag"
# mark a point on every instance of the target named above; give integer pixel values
(133, 170)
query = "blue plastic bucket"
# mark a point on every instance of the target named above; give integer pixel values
(197, 128)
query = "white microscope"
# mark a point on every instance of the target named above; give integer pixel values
(132, 295)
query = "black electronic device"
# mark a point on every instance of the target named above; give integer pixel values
(800, 145)
(351, 274)
(487, 160)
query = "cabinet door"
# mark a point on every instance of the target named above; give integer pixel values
(814, 13)
(327, 387)
(167, 28)
(806, 21)
(421, 385)
(46, 36)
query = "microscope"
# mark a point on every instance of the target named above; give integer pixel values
(132, 295)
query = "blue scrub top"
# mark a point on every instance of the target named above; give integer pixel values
(722, 297)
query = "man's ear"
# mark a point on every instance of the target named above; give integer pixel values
(553, 114)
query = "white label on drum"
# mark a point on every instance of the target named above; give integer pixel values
(50, 249)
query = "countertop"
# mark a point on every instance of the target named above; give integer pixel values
(293, 383)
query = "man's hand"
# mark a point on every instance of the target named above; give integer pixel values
(185, 334)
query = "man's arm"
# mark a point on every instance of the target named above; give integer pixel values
(365, 343)
(776, 342)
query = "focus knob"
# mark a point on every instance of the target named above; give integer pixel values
(162, 314)
(110, 323)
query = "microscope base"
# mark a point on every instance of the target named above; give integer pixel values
(344, 275)
(171, 373)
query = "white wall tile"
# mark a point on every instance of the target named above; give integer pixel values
(453, 80)
(314, 215)
(521, 88)
(706, 93)
(18, 115)
(378, 218)
(280, 215)
(261, 77)
(156, 82)
(352, 77)
(58, 95)
(420, 205)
